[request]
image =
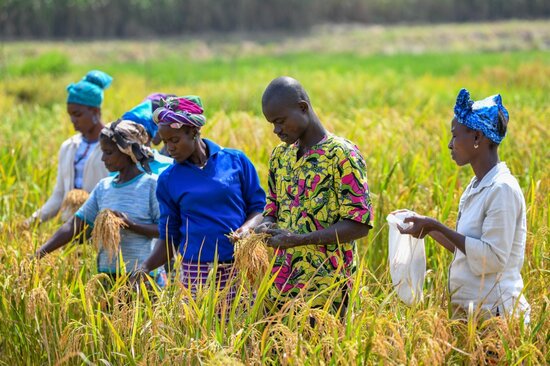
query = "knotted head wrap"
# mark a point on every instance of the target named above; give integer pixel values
(142, 114)
(156, 99)
(482, 115)
(180, 111)
(130, 138)
(89, 90)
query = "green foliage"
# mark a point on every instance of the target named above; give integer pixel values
(94, 19)
(52, 63)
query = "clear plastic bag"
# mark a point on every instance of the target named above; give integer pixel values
(407, 259)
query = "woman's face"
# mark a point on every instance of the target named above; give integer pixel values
(462, 143)
(112, 157)
(179, 142)
(84, 118)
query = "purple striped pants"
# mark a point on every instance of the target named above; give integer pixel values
(195, 277)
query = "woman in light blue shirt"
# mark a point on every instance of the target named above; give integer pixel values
(130, 194)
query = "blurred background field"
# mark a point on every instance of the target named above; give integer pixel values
(390, 89)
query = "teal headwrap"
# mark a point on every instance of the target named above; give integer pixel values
(143, 115)
(89, 90)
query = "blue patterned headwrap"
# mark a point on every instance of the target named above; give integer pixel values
(143, 115)
(89, 90)
(481, 115)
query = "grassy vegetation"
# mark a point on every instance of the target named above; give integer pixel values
(397, 108)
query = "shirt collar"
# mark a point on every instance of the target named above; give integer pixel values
(213, 148)
(328, 136)
(489, 178)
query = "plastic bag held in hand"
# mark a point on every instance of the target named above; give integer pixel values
(407, 259)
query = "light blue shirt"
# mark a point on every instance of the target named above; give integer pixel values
(136, 199)
(157, 166)
(160, 163)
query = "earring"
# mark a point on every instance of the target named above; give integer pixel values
(476, 145)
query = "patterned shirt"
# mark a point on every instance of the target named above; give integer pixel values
(326, 185)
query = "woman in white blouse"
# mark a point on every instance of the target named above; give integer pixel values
(489, 240)
(79, 165)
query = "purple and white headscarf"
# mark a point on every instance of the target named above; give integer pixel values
(181, 111)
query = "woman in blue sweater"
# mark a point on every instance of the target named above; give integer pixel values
(210, 192)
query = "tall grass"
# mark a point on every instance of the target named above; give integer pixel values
(397, 109)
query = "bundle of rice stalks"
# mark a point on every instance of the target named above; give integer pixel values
(72, 202)
(106, 232)
(284, 343)
(252, 257)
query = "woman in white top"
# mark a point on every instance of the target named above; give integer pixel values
(489, 241)
(79, 165)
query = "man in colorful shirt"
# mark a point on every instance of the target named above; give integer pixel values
(318, 202)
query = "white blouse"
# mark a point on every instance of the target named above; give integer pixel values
(492, 217)
(94, 171)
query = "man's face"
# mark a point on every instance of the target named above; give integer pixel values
(289, 119)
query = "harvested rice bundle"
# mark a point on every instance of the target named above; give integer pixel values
(106, 232)
(251, 256)
(72, 202)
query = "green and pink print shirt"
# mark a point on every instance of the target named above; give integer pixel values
(326, 185)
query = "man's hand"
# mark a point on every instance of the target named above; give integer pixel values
(264, 226)
(283, 239)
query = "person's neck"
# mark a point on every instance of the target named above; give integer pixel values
(483, 165)
(200, 155)
(128, 173)
(314, 134)
(93, 134)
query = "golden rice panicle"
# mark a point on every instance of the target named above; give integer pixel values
(251, 256)
(106, 232)
(38, 300)
(72, 202)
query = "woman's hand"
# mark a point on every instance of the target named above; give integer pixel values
(283, 239)
(421, 226)
(239, 234)
(138, 276)
(127, 222)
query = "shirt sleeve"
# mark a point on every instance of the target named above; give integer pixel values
(53, 204)
(90, 209)
(169, 220)
(490, 253)
(253, 193)
(352, 188)
(272, 203)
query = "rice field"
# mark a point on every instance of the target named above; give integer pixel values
(390, 90)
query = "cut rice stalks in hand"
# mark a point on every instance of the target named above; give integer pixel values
(72, 202)
(252, 257)
(106, 232)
